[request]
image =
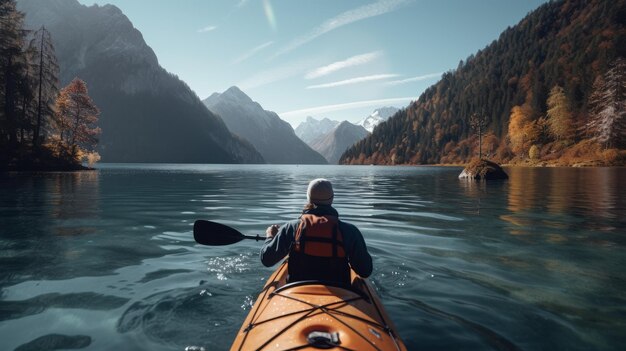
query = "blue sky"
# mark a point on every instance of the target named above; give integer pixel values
(322, 58)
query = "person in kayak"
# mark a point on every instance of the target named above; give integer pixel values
(319, 245)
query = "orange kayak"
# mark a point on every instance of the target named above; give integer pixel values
(310, 315)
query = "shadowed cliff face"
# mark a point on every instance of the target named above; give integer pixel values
(270, 135)
(333, 144)
(147, 114)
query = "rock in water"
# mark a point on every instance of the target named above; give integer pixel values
(483, 169)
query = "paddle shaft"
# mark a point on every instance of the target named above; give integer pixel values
(255, 237)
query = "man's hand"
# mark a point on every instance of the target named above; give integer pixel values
(271, 231)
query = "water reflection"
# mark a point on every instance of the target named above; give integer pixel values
(575, 198)
(534, 262)
(74, 201)
(593, 191)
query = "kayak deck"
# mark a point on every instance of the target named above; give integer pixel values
(312, 315)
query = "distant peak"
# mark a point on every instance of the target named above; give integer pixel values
(234, 90)
(65, 2)
(212, 100)
(234, 93)
(213, 96)
(112, 9)
(344, 124)
(53, 4)
(387, 110)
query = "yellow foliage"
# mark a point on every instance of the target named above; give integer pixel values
(92, 158)
(518, 123)
(560, 118)
(533, 153)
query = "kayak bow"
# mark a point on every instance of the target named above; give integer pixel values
(314, 315)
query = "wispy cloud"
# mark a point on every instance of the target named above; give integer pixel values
(345, 106)
(378, 8)
(276, 74)
(339, 65)
(415, 79)
(269, 14)
(252, 52)
(353, 81)
(207, 29)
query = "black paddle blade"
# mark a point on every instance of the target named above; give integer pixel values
(215, 234)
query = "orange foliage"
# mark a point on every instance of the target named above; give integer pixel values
(520, 118)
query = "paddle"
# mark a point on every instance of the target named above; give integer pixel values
(216, 234)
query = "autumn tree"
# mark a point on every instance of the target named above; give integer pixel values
(76, 119)
(607, 122)
(560, 117)
(518, 124)
(46, 69)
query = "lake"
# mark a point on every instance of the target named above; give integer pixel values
(105, 260)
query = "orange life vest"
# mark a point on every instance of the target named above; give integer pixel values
(318, 252)
(319, 236)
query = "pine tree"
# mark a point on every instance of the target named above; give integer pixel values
(12, 66)
(27, 108)
(47, 71)
(607, 123)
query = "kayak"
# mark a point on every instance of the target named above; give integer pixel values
(309, 315)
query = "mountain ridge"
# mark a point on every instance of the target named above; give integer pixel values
(147, 113)
(274, 138)
(312, 128)
(334, 143)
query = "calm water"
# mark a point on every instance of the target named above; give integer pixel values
(106, 260)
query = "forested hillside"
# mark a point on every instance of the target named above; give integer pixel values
(550, 91)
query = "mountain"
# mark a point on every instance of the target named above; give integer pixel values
(540, 89)
(333, 144)
(147, 114)
(377, 117)
(312, 128)
(270, 135)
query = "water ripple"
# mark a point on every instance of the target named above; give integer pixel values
(534, 263)
(56, 342)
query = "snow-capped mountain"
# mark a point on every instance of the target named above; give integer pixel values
(312, 128)
(377, 117)
(271, 136)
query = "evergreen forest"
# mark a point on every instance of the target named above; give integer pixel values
(549, 91)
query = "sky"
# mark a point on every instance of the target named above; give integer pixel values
(322, 58)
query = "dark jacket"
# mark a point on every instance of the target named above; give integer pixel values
(279, 246)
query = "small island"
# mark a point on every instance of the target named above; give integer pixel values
(42, 128)
(481, 169)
